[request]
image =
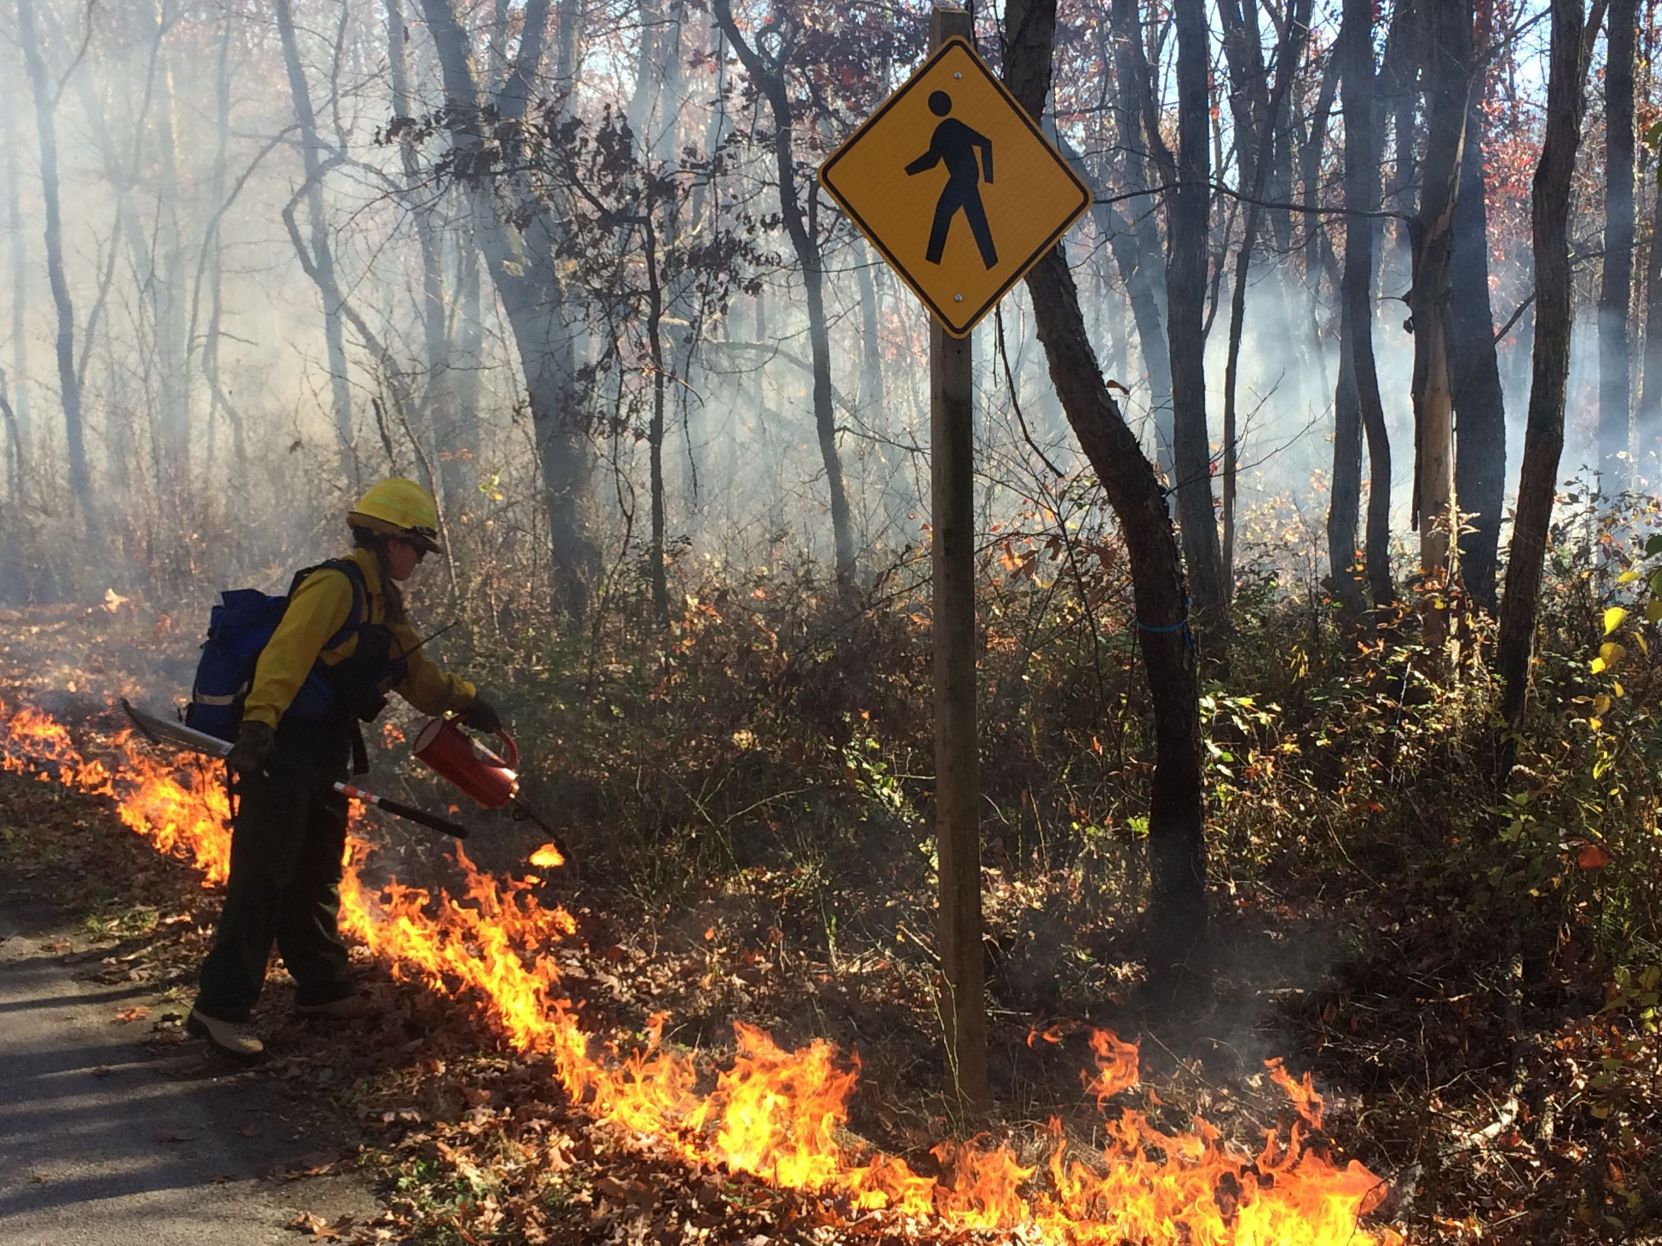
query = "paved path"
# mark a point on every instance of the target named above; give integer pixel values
(105, 1141)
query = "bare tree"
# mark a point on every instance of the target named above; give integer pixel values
(1616, 289)
(1647, 420)
(1260, 134)
(450, 432)
(1474, 369)
(518, 243)
(69, 384)
(211, 259)
(1356, 401)
(1177, 850)
(1544, 433)
(322, 254)
(1445, 40)
(14, 446)
(767, 73)
(18, 407)
(1186, 231)
(1136, 240)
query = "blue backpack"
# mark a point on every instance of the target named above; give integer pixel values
(239, 629)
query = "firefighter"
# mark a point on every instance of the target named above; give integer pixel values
(344, 624)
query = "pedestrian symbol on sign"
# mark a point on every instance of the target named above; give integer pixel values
(955, 144)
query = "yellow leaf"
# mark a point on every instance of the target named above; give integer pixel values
(1616, 687)
(1597, 665)
(1627, 577)
(1601, 704)
(1613, 618)
(1612, 652)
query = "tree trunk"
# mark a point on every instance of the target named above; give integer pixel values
(219, 400)
(769, 80)
(1544, 432)
(311, 156)
(1616, 290)
(14, 446)
(1263, 113)
(1318, 247)
(19, 308)
(469, 351)
(1647, 422)
(521, 263)
(438, 403)
(655, 434)
(165, 276)
(1356, 369)
(1177, 851)
(1136, 244)
(69, 385)
(1185, 300)
(1398, 72)
(1446, 42)
(1474, 375)
(1141, 276)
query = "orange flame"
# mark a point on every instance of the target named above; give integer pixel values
(774, 1113)
(547, 857)
(1117, 1067)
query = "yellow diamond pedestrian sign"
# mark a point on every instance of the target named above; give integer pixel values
(956, 186)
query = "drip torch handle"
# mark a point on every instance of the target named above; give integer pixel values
(430, 820)
(511, 748)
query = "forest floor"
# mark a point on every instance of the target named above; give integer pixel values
(461, 1139)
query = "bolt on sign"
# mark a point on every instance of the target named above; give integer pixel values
(954, 183)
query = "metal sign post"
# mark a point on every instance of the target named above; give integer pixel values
(961, 192)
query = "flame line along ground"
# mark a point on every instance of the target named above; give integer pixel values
(773, 1113)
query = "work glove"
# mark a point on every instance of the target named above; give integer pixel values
(255, 740)
(481, 715)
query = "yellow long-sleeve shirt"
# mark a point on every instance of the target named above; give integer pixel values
(319, 608)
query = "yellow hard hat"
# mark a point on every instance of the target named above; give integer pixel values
(399, 507)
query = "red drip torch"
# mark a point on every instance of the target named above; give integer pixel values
(488, 778)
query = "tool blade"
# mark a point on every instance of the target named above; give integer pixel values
(165, 731)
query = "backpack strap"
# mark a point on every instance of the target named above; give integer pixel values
(355, 577)
(355, 618)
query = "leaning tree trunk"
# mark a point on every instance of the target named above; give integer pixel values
(1544, 433)
(1616, 290)
(1474, 376)
(1177, 852)
(1185, 321)
(769, 79)
(69, 384)
(311, 156)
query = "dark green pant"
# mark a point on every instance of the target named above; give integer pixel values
(286, 846)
